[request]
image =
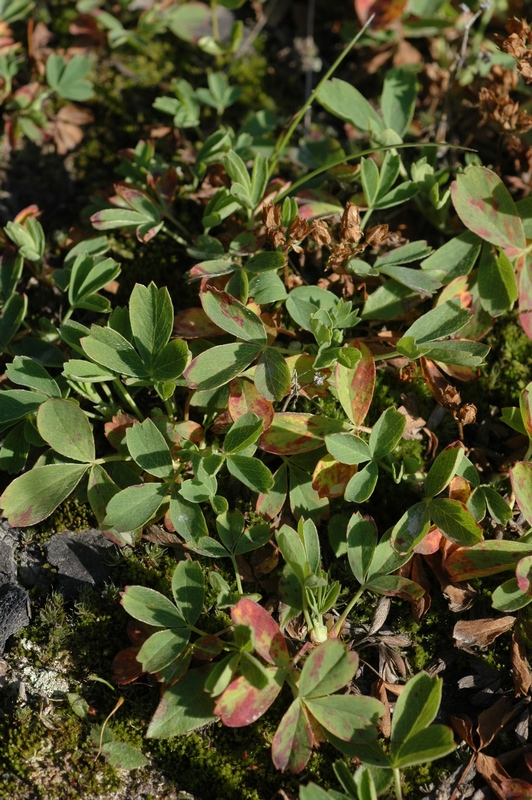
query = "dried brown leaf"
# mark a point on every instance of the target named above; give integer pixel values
(493, 774)
(480, 632)
(520, 668)
(378, 690)
(493, 720)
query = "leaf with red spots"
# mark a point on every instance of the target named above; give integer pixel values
(521, 477)
(485, 558)
(268, 640)
(292, 433)
(525, 297)
(193, 323)
(244, 397)
(33, 496)
(233, 316)
(293, 740)
(485, 206)
(355, 386)
(208, 647)
(330, 477)
(385, 11)
(327, 669)
(269, 504)
(241, 703)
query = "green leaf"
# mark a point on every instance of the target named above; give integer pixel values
(416, 707)
(15, 450)
(123, 756)
(148, 448)
(427, 745)
(521, 477)
(188, 588)
(264, 262)
(361, 544)
(386, 433)
(244, 432)
(27, 372)
(304, 301)
(497, 283)
(251, 472)
(185, 706)
(411, 528)
(485, 206)
(219, 365)
(13, 314)
(386, 559)
(327, 669)
(100, 489)
(64, 426)
(369, 176)
(291, 433)
(443, 470)
(510, 597)
(398, 99)
(443, 320)
(33, 496)
(272, 375)
(362, 484)
(395, 586)
(355, 386)
(16, 404)
(454, 258)
(162, 648)
(151, 607)
(170, 362)
(233, 316)
(353, 719)
(187, 518)
(414, 279)
(77, 369)
(346, 102)
(461, 353)
(68, 79)
(294, 553)
(152, 317)
(455, 521)
(110, 349)
(293, 740)
(347, 448)
(133, 507)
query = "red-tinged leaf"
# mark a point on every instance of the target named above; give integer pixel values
(291, 433)
(330, 477)
(268, 640)
(212, 268)
(116, 429)
(233, 316)
(516, 789)
(244, 397)
(430, 544)
(315, 203)
(293, 741)
(525, 404)
(242, 704)
(125, 666)
(327, 669)
(311, 383)
(525, 297)
(523, 573)
(355, 386)
(521, 477)
(395, 586)
(485, 558)
(271, 503)
(207, 647)
(193, 323)
(385, 11)
(485, 206)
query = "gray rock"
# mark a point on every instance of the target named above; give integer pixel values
(8, 567)
(79, 559)
(30, 567)
(14, 604)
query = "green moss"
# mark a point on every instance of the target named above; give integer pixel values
(509, 363)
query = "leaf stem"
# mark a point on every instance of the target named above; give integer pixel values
(352, 603)
(237, 574)
(284, 139)
(397, 783)
(124, 394)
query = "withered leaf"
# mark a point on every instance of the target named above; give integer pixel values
(378, 690)
(521, 671)
(493, 720)
(493, 774)
(480, 632)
